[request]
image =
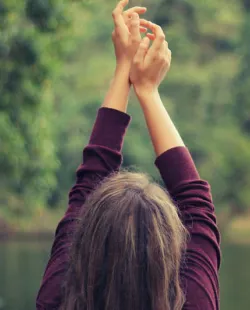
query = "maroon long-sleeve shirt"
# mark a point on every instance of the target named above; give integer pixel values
(192, 195)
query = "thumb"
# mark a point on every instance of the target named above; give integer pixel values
(142, 50)
(135, 28)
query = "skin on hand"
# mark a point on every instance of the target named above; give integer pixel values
(150, 64)
(127, 33)
(126, 38)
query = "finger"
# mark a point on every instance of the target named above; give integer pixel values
(142, 51)
(166, 46)
(159, 41)
(162, 52)
(143, 29)
(166, 49)
(165, 55)
(135, 28)
(145, 23)
(137, 9)
(163, 48)
(118, 16)
(151, 36)
(149, 25)
(170, 53)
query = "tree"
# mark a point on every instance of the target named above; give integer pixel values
(30, 56)
(57, 61)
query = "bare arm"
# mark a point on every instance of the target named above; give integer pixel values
(164, 134)
(101, 157)
(149, 67)
(192, 196)
(118, 93)
(126, 38)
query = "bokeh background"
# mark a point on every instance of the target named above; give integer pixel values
(56, 63)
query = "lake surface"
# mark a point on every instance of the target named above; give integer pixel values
(22, 265)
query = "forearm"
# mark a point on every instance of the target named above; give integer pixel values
(163, 132)
(118, 93)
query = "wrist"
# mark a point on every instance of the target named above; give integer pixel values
(118, 93)
(123, 67)
(122, 73)
(143, 92)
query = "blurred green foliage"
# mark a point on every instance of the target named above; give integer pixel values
(56, 62)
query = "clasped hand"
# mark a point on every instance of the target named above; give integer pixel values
(148, 64)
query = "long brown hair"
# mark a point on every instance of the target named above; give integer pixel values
(127, 249)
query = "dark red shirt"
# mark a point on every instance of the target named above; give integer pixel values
(192, 195)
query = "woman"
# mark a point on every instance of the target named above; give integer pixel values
(121, 243)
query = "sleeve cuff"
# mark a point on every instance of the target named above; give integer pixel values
(110, 128)
(176, 166)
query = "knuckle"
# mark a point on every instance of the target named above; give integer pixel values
(162, 37)
(134, 40)
(114, 13)
(159, 56)
(165, 61)
(140, 68)
(135, 23)
(136, 61)
(143, 46)
(162, 58)
(158, 52)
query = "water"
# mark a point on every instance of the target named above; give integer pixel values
(22, 266)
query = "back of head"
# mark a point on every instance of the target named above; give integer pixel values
(127, 249)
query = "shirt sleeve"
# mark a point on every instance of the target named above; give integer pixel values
(199, 271)
(101, 157)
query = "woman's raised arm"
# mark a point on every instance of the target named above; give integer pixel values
(101, 157)
(199, 273)
(150, 66)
